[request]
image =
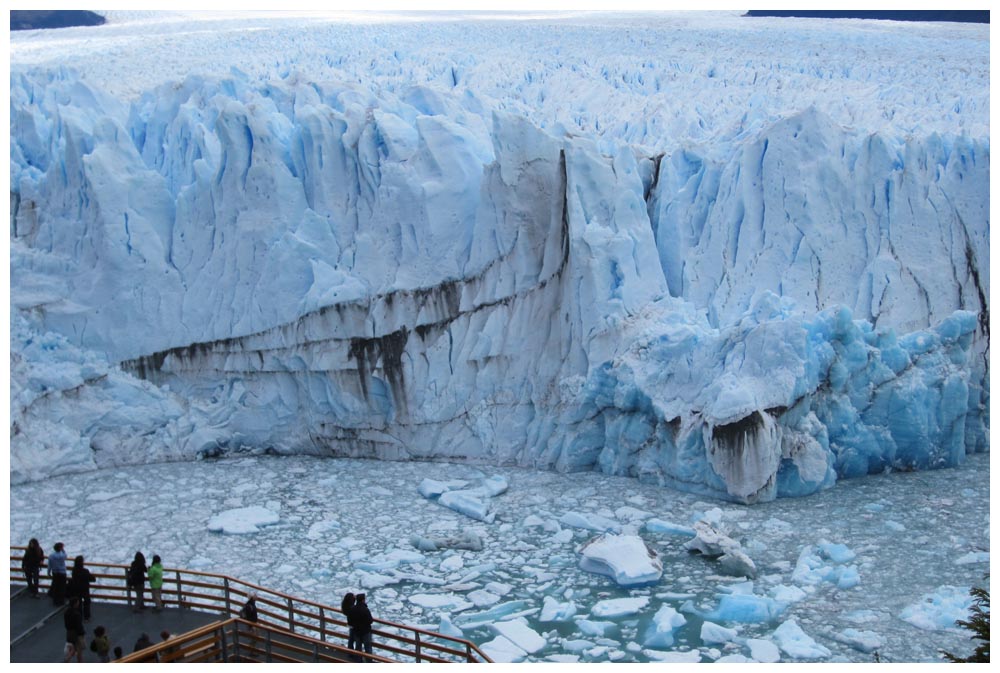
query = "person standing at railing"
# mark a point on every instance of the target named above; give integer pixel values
(57, 571)
(346, 606)
(31, 564)
(137, 580)
(156, 583)
(361, 619)
(79, 585)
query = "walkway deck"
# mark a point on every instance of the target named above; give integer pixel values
(45, 643)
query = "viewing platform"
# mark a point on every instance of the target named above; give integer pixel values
(201, 613)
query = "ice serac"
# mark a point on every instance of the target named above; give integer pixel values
(305, 267)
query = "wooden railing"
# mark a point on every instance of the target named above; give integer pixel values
(235, 640)
(224, 595)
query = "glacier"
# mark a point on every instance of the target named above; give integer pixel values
(353, 259)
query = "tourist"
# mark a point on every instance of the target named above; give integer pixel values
(346, 606)
(79, 585)
(102, 644)
(31, 564)
(57, 571)
(156, 583)
(142, 643)
(118, 652)
(137, 580)
(249, 612)
(361, 620)
(75, 631)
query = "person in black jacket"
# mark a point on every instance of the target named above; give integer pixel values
(79, 585)
(31, 564)
(137, 579)
(75, 631)
(360, 619)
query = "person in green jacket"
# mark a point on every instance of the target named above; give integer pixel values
(156, 582)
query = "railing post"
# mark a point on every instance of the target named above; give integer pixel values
(236, 642)
(225, 589)
(267, 647)
(322, 624)
(180, 594)
(468, 653)
(417, 634)
(291, 617)
(225, 646)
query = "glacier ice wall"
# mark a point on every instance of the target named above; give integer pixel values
(305, 267)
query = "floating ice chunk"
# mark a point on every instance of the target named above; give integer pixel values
(594, 628)
(619, 607)
(763, 651)
(594, 522)
(472, 503)
(519, 633)
(501, 650)
(895, 526)
(104, 496)
(554, 611)
(710, 541)
(732, 659)
(660, 633)
(390, 559)
(862, 616)
(812, 569)
(577, 645)
(563, 658)
(862, 641)
(321, 528)
(563, 536)
(661, 527)
(495, 485)
(784, 593)
(432, 488)
(533, 521)
(736, 562)
(499, 588)
(973, 557)
(624, 558)
(448, 628)
(794, 642)
(626, 513)
(713, 633)
(440, 601)
(482, 598)
(452, 563)
(837, 553)
(689, 657)
(939, 610)
(494, 614)
(242, 521)
(746, 609)
(375, 580)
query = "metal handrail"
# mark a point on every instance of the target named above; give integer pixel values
(210, 592)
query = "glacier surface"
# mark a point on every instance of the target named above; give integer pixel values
(744, 277)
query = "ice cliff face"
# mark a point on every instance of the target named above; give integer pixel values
(304, 267)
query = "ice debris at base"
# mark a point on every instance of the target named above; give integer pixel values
(689, 657)
(242, 521)
(594, 522)
(973, 557)
(660, 633)
(746, 608)
(812, 566)
(469, 540)
(619, 607)
(667, 528)
(502, 651)
(940, 609)
(472, 502)
(712, 543)
(554, 611)
(763, 651)
(862, 641)
(627, 559)
(714, 633)
(518, 632)
(794, 642)
(322, 528)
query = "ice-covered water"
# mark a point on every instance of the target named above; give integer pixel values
(843, 566)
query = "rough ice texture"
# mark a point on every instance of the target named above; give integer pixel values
(624, 558)
(243, 520)
(794, 642)
(288, 262)
(940, 609)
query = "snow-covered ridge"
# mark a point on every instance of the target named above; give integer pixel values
(314, 267)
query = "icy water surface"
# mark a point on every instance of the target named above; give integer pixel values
(912, 534)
